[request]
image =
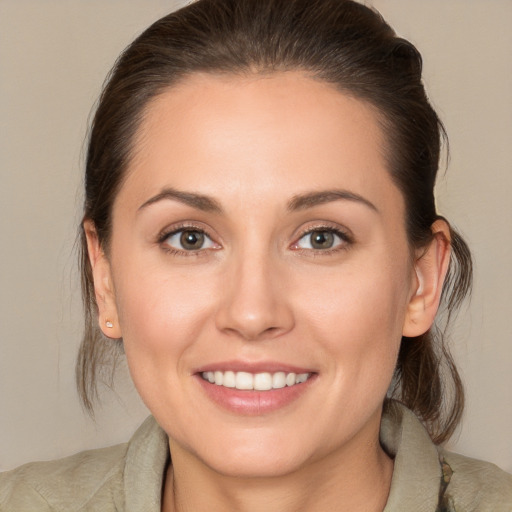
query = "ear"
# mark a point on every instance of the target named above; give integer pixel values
(430, 269)
(103, 286)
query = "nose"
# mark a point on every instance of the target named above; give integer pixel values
(254, 303)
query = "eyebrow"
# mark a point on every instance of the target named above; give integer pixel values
(304, 201)
(298, 202)
(198, 201)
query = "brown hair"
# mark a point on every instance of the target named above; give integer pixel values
(337, 41)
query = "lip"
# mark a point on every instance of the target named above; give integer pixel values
(252, 402)
(253, 367)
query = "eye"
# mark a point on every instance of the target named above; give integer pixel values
(321, 239)
(189, 240)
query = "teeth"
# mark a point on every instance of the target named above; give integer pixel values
(229, 379)
(244, 380)
(263, 381)
(259, 381)
(302, 377)
(279, 380)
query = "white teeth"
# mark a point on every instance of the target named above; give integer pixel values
(260, 381)
(279, 380)
(290, 379)
(263, 381)
(302, 377)
(229, 380)
(244, 380)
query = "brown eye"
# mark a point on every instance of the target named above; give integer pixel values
(191, 240)
(321, 239)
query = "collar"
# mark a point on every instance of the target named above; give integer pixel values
(417, 471)
(414, 486)
(146, 462)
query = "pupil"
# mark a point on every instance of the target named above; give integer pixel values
(192, 240)
(322, 240)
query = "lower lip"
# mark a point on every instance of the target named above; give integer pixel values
(251, 402)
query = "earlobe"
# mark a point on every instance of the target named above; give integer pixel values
(430, 270)
(103, 285)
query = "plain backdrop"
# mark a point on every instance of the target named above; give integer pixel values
(54, 56)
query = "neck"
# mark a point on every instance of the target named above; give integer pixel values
(355, 478)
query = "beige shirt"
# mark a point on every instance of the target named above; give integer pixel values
(129, 477)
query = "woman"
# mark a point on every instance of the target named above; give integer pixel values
(260, 232)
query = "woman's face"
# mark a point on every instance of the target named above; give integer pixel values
(258, 240)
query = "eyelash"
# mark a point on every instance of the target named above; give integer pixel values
(346, 240)
(166, 233)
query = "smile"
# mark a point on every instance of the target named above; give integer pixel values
(258, 382)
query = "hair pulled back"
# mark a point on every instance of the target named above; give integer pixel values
(337, 41)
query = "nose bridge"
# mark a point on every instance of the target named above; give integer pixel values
(254, 304)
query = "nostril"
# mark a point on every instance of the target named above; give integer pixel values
(253, 333)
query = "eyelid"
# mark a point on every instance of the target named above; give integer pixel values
(174, 229)
(344, 234)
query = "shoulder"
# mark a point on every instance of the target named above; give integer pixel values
(123, 477)
(476, 485)
(428, 478)
(65, 484)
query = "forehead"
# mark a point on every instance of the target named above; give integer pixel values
(282, 132)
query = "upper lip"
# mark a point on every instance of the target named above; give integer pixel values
(253, 367)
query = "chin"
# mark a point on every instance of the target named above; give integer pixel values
(263, 465)
(257, 454)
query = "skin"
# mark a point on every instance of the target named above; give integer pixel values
(257, 290)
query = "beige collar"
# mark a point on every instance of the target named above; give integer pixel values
(414, 486)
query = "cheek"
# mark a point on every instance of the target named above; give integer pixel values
(359, 316)
(162, 314)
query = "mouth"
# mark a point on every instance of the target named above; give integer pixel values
(246, 381)
(256, 388)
